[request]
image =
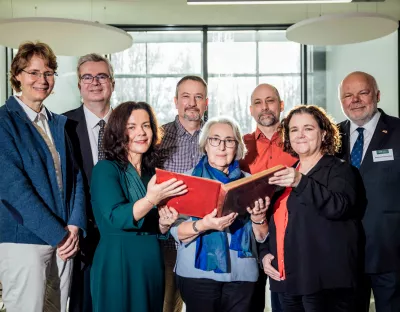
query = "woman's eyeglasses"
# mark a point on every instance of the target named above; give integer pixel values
(35, 75)
(227, 142)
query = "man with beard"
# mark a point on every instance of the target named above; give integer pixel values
(179, 152)
(265, 151)
(370, 142)
(85, 126)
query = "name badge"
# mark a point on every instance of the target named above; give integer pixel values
(383, 155)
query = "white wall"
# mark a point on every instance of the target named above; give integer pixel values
(65, 95)
(378, 58)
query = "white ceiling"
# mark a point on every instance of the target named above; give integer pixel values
(177, 12)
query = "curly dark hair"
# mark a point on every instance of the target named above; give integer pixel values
(116, 138)
(331, 142)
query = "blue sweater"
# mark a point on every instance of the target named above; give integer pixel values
(32, 208)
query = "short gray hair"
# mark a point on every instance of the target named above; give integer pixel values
(237, 133)
(94, 57)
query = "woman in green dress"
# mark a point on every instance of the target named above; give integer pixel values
(128, 269)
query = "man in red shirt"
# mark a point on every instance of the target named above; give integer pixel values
(265, 151)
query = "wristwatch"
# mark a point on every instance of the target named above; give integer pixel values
(259, 223)
(194, 227)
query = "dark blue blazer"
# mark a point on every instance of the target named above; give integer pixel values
(32, 208)
(382, 184)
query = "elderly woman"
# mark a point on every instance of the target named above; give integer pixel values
(312, 253)
(128, 269)
(216, 265)
(42, 199)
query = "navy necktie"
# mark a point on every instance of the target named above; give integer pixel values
(357, 152)
(100, 145)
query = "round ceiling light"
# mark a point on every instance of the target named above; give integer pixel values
(67, 37)
(335, 29)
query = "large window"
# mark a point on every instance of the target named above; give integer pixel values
(151, 68)
(236, 61)
(239, 60)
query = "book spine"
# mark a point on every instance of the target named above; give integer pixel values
(221, 201)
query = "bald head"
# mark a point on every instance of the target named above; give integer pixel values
(265, 87)
(359, 75)
(266, 105)
(359, 96)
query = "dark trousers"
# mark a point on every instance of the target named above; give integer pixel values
(201, 294)
(258, 300)
(386, 290)
(80, 296)
(332, 300)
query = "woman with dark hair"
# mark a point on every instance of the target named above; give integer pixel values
(312, 252)
(128, 270)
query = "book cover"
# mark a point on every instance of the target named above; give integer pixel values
(204, 194)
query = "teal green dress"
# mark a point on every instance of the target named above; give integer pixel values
(128, 267)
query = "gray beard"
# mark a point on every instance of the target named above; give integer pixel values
(196, 117)
(267, 122)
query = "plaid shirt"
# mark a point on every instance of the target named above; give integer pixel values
(179, 152)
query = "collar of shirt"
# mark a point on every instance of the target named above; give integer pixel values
(369, 126)
(180, 129)
(92, 120)
(32, 115)
(259, 135)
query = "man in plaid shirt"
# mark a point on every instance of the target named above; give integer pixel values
(179, 152)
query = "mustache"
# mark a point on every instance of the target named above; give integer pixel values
(266, 113)
(192, 108)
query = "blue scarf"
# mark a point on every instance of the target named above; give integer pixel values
(212, 248)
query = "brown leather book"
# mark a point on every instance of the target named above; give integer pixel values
(204, 194)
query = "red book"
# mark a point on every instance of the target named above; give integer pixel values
(204, 194)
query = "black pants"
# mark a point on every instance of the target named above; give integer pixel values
(334, 300)
(201, 294)
(386, 289)
(258, 300)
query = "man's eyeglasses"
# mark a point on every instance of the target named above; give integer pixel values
(102, 78)
(227, 142)
(35, 75)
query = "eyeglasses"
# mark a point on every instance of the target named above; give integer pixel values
(35, 75)
(102, 78)
(227, 142)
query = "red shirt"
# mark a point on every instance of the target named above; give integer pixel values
(280, 215)
(264, 153)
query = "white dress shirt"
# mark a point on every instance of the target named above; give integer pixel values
(369, 129)
(34, 117)
(93, 128)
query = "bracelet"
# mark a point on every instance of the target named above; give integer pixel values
(149, 201)
(164, 225)
(194, 227)
(259, 222)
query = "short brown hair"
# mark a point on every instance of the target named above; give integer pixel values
(194, 78)
(25, 52)
(331, 142)
(116, 138)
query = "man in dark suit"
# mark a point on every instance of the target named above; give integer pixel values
(86, 128)
(371, 142)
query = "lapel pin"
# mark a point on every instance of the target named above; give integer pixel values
(384, 131)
